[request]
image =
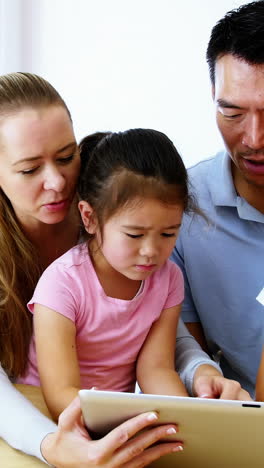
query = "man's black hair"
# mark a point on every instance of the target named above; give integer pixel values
(240, 33)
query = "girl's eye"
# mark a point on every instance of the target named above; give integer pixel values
(134, 236)
(166, 234)
(66, 160)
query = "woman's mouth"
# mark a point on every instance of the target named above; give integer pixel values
(57, 206)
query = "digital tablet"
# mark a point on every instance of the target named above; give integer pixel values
(216, 433)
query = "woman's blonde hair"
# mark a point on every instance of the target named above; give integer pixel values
(19, 261)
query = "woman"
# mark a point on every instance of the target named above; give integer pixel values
(39, 166)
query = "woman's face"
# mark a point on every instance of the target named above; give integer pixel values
(39, 163)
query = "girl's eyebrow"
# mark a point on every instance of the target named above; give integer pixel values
(142, 228)
(72, 145)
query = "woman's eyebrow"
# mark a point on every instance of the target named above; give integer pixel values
(72, 145)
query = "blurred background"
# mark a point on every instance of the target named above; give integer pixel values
(121, 64)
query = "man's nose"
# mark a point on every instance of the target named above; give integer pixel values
(253, 136)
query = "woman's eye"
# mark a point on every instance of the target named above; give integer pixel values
(66, 160)
(28, 171)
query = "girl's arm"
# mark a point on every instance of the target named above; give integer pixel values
(260, 380)
(21, 424)
(56, 357)
(155, 365)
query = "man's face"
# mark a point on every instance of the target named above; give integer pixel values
(239, 97)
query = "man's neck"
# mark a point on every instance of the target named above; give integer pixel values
(252, 193)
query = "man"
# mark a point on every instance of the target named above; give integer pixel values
(222, 257)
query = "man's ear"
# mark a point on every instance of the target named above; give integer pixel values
(88, 216)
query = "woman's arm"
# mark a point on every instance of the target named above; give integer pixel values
(69, 445)
(21, 424)
(58, 367)
(155, 365)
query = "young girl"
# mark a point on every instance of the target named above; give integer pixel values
(106, 312)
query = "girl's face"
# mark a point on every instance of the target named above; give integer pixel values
(39, 163)
(138, 240)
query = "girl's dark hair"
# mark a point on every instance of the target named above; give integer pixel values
(240, 33)
(121, 167)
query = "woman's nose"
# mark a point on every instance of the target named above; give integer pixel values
(54, 180)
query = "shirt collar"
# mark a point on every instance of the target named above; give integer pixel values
(223, 191)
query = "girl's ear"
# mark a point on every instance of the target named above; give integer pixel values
(88, 216)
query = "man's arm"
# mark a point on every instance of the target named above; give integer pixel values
(196, 330)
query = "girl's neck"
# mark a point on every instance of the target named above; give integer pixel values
(114, 283)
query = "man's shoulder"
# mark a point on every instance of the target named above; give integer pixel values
(202, 174)
(201, 168)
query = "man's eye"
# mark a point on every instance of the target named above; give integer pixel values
(230, 114)
(234, 116)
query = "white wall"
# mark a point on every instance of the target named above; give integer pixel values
(121, 64)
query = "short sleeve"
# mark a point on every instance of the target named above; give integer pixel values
(55, 290)
(176, 286)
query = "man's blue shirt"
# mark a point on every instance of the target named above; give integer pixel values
(222, 259)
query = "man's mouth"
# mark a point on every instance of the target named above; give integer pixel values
(254, 166)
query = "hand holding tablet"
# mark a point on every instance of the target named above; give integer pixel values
(215, 433)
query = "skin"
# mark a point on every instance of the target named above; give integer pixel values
(239, 100)
(122, 447)
(39, 166)
(143, 246)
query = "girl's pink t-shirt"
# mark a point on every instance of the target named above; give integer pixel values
(109, 331)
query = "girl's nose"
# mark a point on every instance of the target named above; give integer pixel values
(149, 249)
